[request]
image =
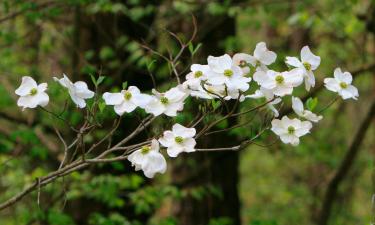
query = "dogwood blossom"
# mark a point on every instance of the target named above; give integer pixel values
(126, 100)
(149, 159)
(262, 57)
(31, 94)
(281, 83)
(224, 71)
(243, 60)
(168, 103)
(180, 139)
(268, 94)
(290, 130)
(309, 62)
(342, 84)
(195, 78)
(297, 106)
(77, 91)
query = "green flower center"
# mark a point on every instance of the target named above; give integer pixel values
(291, 130)
(257, 64)
(127, 95)
(307, 66)
(279, 79)
(145, 149)
(164, 100)
(343, 85)
(198, 74)
(242, 63)
(179, 139)
(228, 73)
(33, 91)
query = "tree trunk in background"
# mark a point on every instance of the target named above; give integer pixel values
(93, 32)
(192, 172)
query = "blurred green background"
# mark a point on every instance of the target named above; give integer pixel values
(261, 185)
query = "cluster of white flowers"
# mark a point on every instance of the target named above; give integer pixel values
(223, 77)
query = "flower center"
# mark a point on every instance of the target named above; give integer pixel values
(242, 63)
(307, 66)
(127, 95)
(145, 149)
(198, 74)
(279, 79)
(164, 100)
(343, 85)
(291, 130)
(33, 91)
(257, 63)
(179, 139)
(228, 73)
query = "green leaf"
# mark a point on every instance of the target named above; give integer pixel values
(93, 79)
(311, 103)
(101, 106)
(100, 80)
(124, 85)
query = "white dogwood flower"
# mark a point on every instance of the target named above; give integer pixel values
(243, 60)
(342, 84)
(281, 83)
(195, 78)
(149, 159)
(297, 106)
(309, 62)
(290, 130)
(31, 94)
(77, 91)
(262, 57)
(168, 103)
(126, 100)
(224, 71)
(268, 94)
(180, 139)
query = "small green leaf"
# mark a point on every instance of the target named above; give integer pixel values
(191, 48)
(197, 48)
(124, 85)
(93, 79)
(101, 106)
(311, 103)
(100, 80)
(215, 104)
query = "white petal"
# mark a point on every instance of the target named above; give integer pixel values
(182, 131)
(304, 128)
(293, 77)
(308, 56)
(168, 139)
(80, 102)
(125, 106)
(156, 163)
(264, 55)
(297, 105)
(82, 90)
(174, 150)
(309, 80)
(113, 98)
(141, 100)
(219, 64)
(278, 127)
(189, 144)
(27, 84)
(293, 61)
(331, 84)
(155, 107)
(43, 99)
